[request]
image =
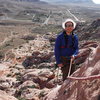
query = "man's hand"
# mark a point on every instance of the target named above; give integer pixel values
(72, 57)
(60, 65)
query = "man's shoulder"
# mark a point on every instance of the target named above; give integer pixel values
(60, 34)
(75, 35)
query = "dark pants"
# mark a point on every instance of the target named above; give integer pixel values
(65, 68)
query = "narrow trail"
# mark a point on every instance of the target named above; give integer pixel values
(73, 16)
(46, 21)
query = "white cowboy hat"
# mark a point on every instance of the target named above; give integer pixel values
(68, 20)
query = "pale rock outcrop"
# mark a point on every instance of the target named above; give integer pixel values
(5, 96)
(40, 76)
(4, 69)
(7, 82)
(34, 94)
(37, 51)
(29, 84)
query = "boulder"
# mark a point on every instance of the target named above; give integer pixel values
(5, 96)
(4, 70)
(40, 76)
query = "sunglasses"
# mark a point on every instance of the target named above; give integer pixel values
(68, 25)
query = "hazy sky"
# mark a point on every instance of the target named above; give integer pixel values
(50, 0)
(95, 1)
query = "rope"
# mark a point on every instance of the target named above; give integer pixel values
(70, 67)
(84, 78)
(58, 74)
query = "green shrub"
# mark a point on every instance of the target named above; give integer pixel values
(33, 86)
(20, 98)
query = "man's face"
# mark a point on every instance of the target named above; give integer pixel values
(69, 27)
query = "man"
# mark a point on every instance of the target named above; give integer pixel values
(66, 47)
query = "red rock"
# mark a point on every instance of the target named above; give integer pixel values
(84, 88)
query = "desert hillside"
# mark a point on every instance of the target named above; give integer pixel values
(27, 64)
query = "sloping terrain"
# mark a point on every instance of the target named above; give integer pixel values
(84, 84)
(29, 73)
(27, 63)
(90, 31)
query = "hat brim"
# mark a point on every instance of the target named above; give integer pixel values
(68, 20)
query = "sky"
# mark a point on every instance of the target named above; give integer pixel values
(95, 1)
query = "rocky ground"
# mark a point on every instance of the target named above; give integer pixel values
(28, 73)
(27, 62)
(84, 84)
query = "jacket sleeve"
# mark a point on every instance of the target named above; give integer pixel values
(76, 46)
(57, 50)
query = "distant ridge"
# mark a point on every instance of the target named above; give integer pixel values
(28, 0)
(78, 1)
(72, 1)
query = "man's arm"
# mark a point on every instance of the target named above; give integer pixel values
(76, 46)
(57, 50)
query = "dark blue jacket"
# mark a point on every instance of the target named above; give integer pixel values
(64, 49)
